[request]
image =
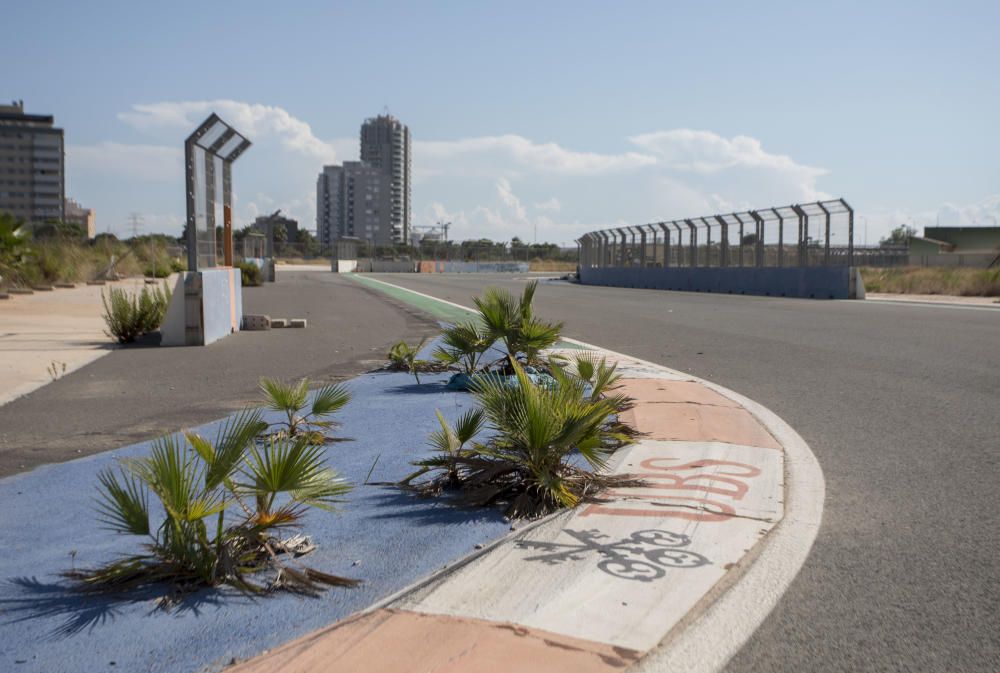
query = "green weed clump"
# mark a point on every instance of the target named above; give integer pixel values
(250, 274)
(128, 316)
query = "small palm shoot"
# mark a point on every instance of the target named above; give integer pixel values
(450, 444)
(601, 379)
(403, 357)
(511, 320)
(526, 463)
(464, 345)
(292, 399)
(264, 489)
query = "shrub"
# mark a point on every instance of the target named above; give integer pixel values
(511, 320)
(250, 274)
(403, 357)
(463, 345)
(130, 315)
(292, 398)
(525, 463)
(197, 482)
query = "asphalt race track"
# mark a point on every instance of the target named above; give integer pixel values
(901, 405)
(899, 402)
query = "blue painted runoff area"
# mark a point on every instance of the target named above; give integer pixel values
(819, 282)
(387, 538)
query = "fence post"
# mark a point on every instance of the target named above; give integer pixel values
(724, 241)
(803, 234)
(666, 244)
(826, 244)
(679, 246)
(850, 233)
(781, 237)
(708, 242)
(759, 243)
(694, 243)
(740, 220)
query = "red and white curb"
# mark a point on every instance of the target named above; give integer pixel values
(673, 575)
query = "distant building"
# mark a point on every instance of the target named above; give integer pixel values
(385, 144)
(956, 246)
(32, 165)
(74, 213)
(291, 226)
(353, 200)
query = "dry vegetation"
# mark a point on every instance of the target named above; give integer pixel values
(551, 265)
(933, 280)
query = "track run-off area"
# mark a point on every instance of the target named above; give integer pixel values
(900, 403)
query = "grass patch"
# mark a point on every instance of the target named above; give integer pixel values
(959, 281)
(551, 265)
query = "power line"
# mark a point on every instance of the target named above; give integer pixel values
(135, 223)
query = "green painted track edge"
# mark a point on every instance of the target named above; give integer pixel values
(437, 308)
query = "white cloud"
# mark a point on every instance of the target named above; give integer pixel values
(509, 199)
(523, 154)
(253, 120)
(709, 159)
(876, 223)
(986, 213)
(143, 162)
(553, 204)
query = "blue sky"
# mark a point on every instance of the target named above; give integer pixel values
(560, 116)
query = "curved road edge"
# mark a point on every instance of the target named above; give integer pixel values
(694, 624)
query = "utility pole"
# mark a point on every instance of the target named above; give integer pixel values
(135, 223)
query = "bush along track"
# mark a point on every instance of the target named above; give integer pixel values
(614, 582)
(128, 316)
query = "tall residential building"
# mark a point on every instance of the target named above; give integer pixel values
(32, 168)
(74, 213)
(385, 144)
(353, 200)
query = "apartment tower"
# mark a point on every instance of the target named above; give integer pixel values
(385, 145)
(32, 166)
(368, 199)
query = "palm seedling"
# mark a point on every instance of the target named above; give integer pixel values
(450, 445)
(403, 357)
(464, 345)
(526, 463)
(263, 490)
(292, 399)
(511, 320)
(601, 378)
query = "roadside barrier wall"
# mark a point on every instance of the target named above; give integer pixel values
(829, 282)
(206, 305)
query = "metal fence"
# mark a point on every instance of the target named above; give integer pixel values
(808, 234)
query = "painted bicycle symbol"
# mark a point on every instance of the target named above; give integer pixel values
(643, 556)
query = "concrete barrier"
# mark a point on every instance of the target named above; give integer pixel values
(206, 306)
(826, 282)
